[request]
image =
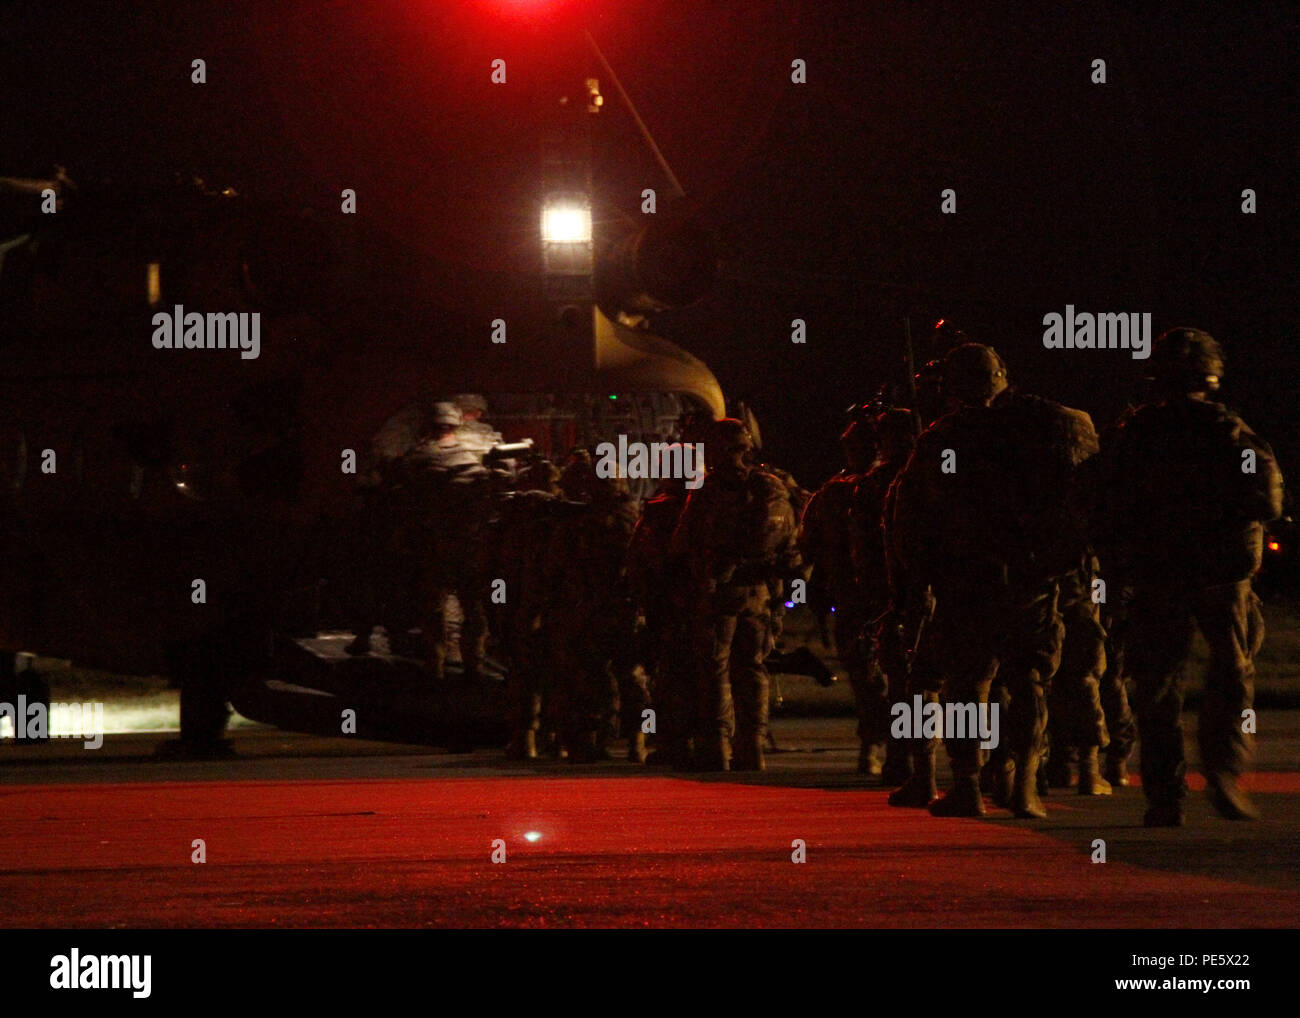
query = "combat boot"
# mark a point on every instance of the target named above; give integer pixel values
(1004, 784)
(1090, 780)
(919, 790)
(598, 747)
(869, 759)
(1025, 802)
(898, 764)
(523, 746)
(1228, 798)
(747, 753)
(1117, 770)
(712, 754)
(964, 799)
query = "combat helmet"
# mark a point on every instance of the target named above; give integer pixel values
(974, 374)
(895, 431)
(1186, 360)
(732, 435)
(446, 414)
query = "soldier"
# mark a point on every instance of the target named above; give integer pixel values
(659, 582)
(447, 492)
(883, 673)
(595, 684)
(824, 543)
(738, 532)
(519, 538)
(981, 520)
(475, 433)
(1189, 487)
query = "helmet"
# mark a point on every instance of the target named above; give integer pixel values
(895, 430)
(1188, 360)
(447, 413)
(578, 477)
(471, 401)
(973, 374)
(731, 436)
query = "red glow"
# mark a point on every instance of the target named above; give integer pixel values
(1274, 546)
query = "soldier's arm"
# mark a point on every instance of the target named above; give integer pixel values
(1263, 495)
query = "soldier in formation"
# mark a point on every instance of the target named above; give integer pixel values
(737, 535)
(1189, 486)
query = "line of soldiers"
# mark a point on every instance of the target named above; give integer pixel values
(1013, 554)
(1007, 554)
(657, 623)
(590, 601)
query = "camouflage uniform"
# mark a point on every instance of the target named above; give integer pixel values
(1076, 720)
(447, 498)
(883, 672)
(474, 434)
(592, 613)
(738, 532)
(981, 520)
(1189, 487)
(522, 534)
(659, 583)
(825, 544)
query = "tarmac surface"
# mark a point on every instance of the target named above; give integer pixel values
(302, 831)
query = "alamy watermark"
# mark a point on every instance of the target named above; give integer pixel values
(1082, 330)
(75, 971)
(181, 330)
(920, 720)
(654, 460)
(38, 720)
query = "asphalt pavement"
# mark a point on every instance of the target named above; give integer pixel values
(302, 831)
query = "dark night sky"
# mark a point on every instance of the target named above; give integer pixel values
(1115, 197)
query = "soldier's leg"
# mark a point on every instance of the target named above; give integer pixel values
(887, 653)
(678, 703)
(867, 682)
(919, 788)
(749, 681)
(523, 687)
(997, 779)
(1227, 748)
(1159, 641)
(1031, 655)
(1083, 661)
(634, 700)
(565, 706)
(434, 592)
(965, 755)
(961, 639)
(672, 691)
(472, 594)
(593, 719)
(1120, 724)
(716, 718)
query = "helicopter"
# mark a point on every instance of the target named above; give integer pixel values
(184, 511)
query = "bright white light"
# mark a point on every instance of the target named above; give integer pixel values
(532, 836)
(566, 224)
